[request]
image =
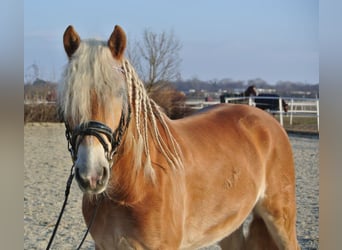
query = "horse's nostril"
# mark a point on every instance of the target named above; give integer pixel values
(77, 173)
(81, 181)
(104, 173)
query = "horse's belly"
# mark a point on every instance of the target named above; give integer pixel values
(217, 206)
(210, 234)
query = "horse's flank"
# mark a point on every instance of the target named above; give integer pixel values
(176, 184)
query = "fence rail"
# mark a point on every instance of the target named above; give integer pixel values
(297, 107)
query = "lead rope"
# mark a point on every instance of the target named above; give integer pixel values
(90, 223)
(67, 191)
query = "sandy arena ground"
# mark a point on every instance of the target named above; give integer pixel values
(47, 166)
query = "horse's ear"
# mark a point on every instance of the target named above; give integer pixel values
(117, 42)
(71, 40)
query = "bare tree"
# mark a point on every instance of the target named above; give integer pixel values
(32, 73)
(156, 57)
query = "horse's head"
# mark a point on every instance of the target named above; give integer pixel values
(251, 91)
(93, 101)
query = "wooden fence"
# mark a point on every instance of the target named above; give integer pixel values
(297, 107)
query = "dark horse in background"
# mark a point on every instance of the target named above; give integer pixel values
(270, 102)
(250, 91)
(263, 101)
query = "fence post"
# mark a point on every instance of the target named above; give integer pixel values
(291, 114)
(317, 112)
(281, 111)
(250, 101)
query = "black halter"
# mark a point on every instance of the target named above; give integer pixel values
(99, 130)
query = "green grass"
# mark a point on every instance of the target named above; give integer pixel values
(300, 124)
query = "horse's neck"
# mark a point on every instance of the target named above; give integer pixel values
(246, 93)
(129, 180)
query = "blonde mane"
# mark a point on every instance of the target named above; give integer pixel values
(92, 68)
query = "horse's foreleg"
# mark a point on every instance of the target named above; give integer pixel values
(258, 237)
(278, 215)
(235, 241)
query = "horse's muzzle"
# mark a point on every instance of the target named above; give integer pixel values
(92, 183)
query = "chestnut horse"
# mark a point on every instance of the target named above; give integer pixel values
(171, 184)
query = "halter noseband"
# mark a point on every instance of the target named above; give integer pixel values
(97, 129)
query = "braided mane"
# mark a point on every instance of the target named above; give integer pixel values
(145, 109)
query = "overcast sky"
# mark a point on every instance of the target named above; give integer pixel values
(276, 40)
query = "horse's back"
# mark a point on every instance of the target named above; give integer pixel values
(237, 132)
(231, 121)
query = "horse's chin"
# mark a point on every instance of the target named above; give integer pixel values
(92, 191)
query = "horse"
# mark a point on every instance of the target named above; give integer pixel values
(270, 102)
(150, 182)
(250, 91)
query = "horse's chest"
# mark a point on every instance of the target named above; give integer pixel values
(115, 243)
(117, 228)
(112, 236)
